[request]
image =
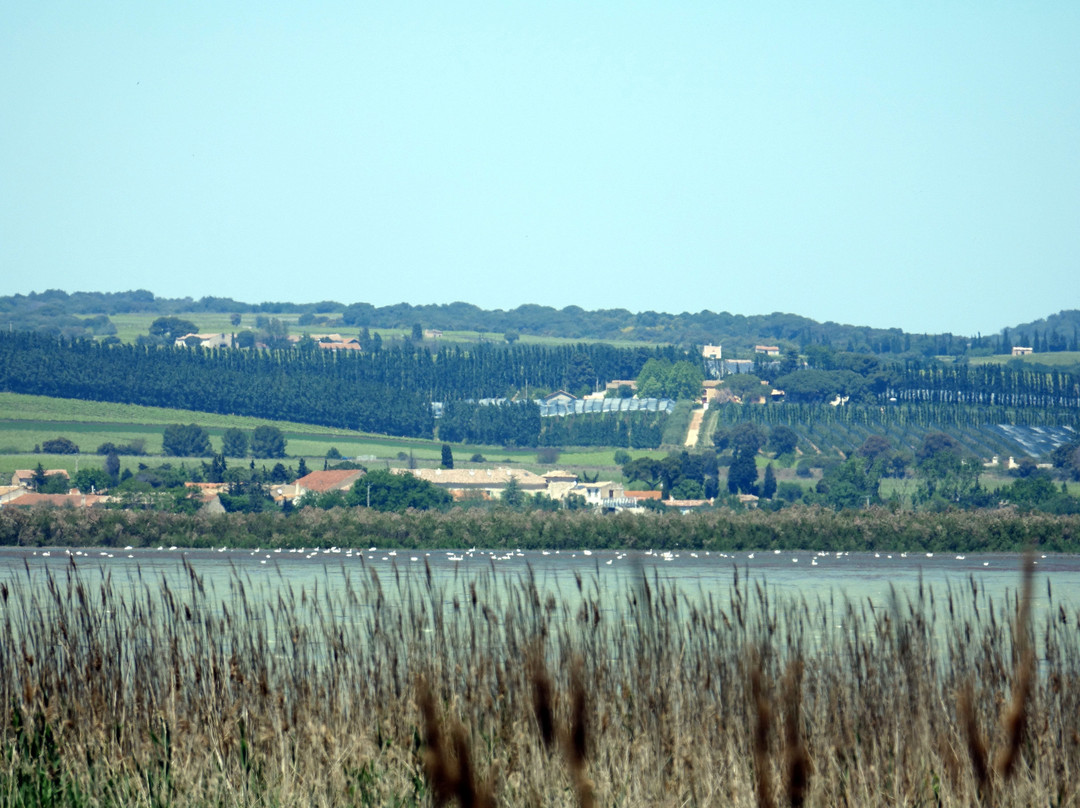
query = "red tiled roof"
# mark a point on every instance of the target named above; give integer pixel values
(58, 500)
(329, 480)
(644, 494)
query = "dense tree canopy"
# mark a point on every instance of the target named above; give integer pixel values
(388, 391)
(851, 484)
(783, 440)
(186, 441)
(171, 328)
(386, 491)
(267, 441)
(234, 442)
(59, 446)
(743, 473)
(661, 378)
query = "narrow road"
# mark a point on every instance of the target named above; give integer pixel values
(695, 427)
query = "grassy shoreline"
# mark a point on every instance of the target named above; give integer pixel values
(797, 528)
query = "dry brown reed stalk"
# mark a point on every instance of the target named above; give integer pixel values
(543, 697)
(448, 765)
(1015, 718)
(797, 759)
(978, 753)
(272, 696)
(576, 739)
(760, 736)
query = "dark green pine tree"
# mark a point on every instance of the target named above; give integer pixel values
(768, 485)
(742, 475)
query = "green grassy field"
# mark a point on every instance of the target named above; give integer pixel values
(29, 421)
(16, 407)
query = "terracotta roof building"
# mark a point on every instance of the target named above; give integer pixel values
(31, 500)
(25, 477)
(320, 482)
(657, 495)
(491, 480)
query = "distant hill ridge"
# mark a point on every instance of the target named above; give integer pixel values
(56, 309)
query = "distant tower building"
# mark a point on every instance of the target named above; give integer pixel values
(714, 360)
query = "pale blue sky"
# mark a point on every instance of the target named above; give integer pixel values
(907, 164)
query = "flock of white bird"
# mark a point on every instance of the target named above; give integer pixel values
(374, 554)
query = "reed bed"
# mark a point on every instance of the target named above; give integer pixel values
(492, 690)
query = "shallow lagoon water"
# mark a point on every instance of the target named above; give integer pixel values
(869, 578)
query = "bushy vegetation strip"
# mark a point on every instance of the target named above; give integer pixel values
(796, 528)
(495, 690)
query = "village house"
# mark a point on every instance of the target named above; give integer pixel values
(75, 500)
(559, 397)
(641, 496)
(560, 483)
(283, 493)
(205, 491)
(10, 492)
(634, 501)
(1019, 350)
(715, 393)
(207, 495)
(738, 366)
(336, 342)
(25, 477)
(768, 350)
(594, 493)
(713, 356)
(204, 340)
(483, 483)
(687, 505)
(319, 482)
